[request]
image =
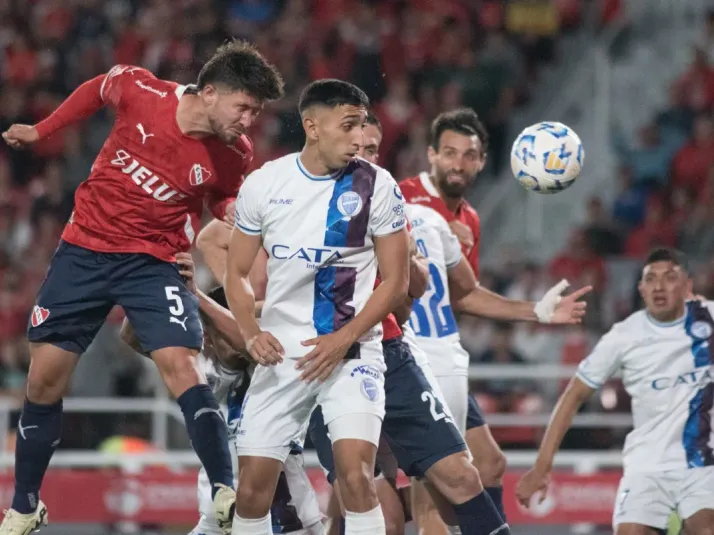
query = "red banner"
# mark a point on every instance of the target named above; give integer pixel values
(164, 497)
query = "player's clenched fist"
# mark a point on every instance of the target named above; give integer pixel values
(265, 349)
(531, 482)
(20, 135)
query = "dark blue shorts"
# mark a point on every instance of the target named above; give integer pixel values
(82, 286)
(474, 417)
(415, 425)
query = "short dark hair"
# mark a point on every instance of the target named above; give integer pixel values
(218, 294)
(374, 121)
(239, 66)
(666, 254)
(331, 93)
(461, 120)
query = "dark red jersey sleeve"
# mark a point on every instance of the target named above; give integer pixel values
(84, 102)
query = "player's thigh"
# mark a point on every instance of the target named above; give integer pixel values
(160, 308)
(455, 389)
(414, 412)
(355, 390)
(73, 300)
(299, 488)
(275, 411)
(696, 500)
(642, 499)
(636, 529)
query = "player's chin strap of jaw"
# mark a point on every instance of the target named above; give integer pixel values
(545, 308)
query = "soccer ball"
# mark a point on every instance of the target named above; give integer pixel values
(547, 157)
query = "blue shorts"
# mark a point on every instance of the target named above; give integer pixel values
(415, 425)
(474, 417)
(82, 286)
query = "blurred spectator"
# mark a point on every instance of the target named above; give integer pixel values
(691, 164)
(706, 40)
(650, 160)
(678, 119)
(501, 351)
(698, 82)
(599, 229)
(628, 209)
(656, 231)
(579, 264)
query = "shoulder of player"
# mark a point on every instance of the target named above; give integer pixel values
(272, 171)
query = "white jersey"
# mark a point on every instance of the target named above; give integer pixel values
(667, 370)
(319, 234)
(432, 318)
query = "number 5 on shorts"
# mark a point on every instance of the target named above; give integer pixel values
(172, 294)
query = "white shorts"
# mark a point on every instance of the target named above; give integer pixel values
(455, 390)
(278, 404)
(295, 498)
(648, 498)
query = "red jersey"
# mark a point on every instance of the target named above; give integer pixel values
(420, 190)
(146, 189)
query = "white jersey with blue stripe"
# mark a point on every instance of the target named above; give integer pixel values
(432, 318)
(319, 234)
(667, 369)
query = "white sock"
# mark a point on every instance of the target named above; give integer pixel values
(369, 523)
(454, 530)
(252, 526)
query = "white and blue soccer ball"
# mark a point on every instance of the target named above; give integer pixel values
(547, 157)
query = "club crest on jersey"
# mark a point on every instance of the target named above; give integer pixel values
(701, 330)
(349, 204)
(370, 389)
(198, 175)
(39, 316)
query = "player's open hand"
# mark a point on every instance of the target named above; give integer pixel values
(187, 270)
(329, 352)
(554, 308)
(463, 233)
(19, 136)
(265, 349)
(531, 482)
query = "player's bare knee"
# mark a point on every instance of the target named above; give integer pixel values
(357, 485)
(253, 498)
(456, 478)
(50, 372)
(178, 368)
(491, 466)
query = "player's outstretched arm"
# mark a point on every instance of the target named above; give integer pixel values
(393, 260)
(471, 298)
(538, 477)
(242, 251)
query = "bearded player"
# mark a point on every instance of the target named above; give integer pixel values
(172, 147)
(457, 154)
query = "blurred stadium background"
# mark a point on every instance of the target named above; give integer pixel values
(633, 77)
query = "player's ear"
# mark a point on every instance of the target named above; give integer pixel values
(309, 124)
(209, 94)
(431, 155)
(482, 164)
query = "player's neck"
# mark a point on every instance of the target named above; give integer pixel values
(190, 119)
(452, 203)
(313, 164)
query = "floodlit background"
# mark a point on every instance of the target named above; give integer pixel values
(633, 78)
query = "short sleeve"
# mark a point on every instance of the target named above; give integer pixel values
(602, 362)
(450, 243)
(122, 81)
(249, 203)
(387, 211)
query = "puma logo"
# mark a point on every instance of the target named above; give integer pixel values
(172, 319)
(144, 135)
